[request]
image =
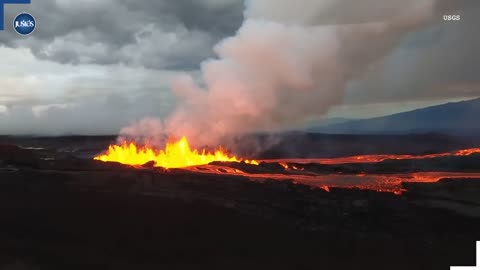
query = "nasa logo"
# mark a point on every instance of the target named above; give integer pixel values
(24, 24)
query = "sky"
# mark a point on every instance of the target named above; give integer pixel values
(94, 67)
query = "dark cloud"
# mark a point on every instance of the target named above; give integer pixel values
(220, 17)
(154, 34)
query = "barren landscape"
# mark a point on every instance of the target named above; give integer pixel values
(239, 134)
(62, 209)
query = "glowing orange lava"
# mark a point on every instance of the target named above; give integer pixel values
(373, 158)
(284, 165)
(467, 152)
(177, 154)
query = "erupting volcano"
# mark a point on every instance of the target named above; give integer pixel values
(362, 171)
(177, 154)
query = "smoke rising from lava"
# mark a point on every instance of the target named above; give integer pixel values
(289, 62)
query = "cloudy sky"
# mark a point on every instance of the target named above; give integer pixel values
(93, 67)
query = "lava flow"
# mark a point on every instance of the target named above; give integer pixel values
(177, 154)
(373, 158)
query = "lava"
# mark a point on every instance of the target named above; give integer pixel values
(177, 154)
(379, 182)
(374, 158)
(284, 165)
(467, 152)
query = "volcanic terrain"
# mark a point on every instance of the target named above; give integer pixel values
(398, 202)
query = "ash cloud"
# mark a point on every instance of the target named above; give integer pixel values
(285, 65)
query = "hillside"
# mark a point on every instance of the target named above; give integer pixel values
(456, 118)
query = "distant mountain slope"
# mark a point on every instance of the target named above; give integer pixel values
(328, 122)
(457, 118)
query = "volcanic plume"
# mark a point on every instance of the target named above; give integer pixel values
(285, 65)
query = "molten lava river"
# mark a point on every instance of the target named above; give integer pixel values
(179, 155)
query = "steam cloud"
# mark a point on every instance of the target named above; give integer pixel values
(289, 62)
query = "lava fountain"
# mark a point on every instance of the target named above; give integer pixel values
(177, 154)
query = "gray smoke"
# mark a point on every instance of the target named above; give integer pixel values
(288, 63)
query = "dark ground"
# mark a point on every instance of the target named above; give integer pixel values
(285, 145)
(70, 213)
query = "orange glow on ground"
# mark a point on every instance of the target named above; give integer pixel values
(178, 154)
(374, 158)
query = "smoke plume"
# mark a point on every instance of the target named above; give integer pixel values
(289, 62)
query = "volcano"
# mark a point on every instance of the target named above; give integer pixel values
(347, 172)
(456, 118)
(127, 202)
